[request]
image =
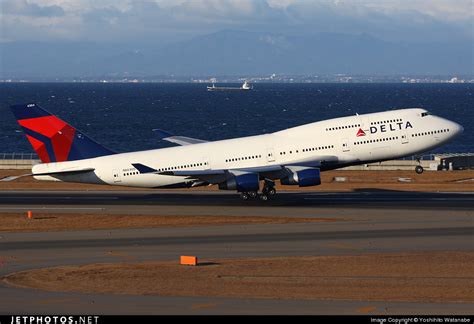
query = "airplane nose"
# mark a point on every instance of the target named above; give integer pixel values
(458, 129)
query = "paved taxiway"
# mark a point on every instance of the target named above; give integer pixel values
(366, 222)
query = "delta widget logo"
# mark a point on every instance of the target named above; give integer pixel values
(360, 132)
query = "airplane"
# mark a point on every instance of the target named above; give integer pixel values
(249, 165)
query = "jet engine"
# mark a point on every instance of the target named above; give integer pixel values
(302, 178)
(242, 183)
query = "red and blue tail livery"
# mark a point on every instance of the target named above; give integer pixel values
(53, 139)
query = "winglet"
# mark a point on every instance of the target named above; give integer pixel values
(181, 140)
(162, 133)
(143, 168)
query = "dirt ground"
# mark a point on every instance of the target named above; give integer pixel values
(18, 222)
(410, 277)
(355, 180)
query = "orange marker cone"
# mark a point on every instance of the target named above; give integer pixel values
(30, 214)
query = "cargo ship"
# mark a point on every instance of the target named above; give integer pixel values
(245, 86)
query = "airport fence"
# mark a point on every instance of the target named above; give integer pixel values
(33, 156)
(18, 156)
(21, 160)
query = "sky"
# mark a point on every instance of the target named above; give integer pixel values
(123, 21)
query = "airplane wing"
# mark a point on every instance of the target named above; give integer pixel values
(181, 140)
(218, 175)
(196, 173)
(208, 176)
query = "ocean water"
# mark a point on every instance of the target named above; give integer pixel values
(122, 116)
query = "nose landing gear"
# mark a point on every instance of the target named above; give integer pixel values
(418, 169)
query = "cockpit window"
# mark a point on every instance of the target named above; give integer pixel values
(423, 114)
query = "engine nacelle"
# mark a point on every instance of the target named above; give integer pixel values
(303, 178)
(241, 183)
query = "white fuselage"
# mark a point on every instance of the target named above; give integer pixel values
(327, 144)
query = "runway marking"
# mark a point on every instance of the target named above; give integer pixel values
(203, 306)
(121, 255)
(343, 246)
(67, 197)
(366, 309)
(50, 208)
(56, 301)
(394, 199)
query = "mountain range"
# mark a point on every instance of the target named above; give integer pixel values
(232, 52)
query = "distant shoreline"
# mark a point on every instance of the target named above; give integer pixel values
(230, 79)
(227, 82)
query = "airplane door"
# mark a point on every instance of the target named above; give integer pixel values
(345, 145)
(206, 163)
(404, 138)
(270, 155)
(117, 177)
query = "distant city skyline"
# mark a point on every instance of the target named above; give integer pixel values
(69, 38)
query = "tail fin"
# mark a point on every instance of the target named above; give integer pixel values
(53, 139)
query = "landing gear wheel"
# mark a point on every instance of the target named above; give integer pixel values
(419, 169)
(263, 197)
(252, 194)
(244, 196)
(269, 188)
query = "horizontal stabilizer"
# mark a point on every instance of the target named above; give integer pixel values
(60, 172)
(65, 172)
(143, 168)
(12, 178)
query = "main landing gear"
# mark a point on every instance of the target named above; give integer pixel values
(419, 169)
(267, 191)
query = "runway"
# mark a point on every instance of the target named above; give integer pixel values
(228, 203)
(365, 222)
